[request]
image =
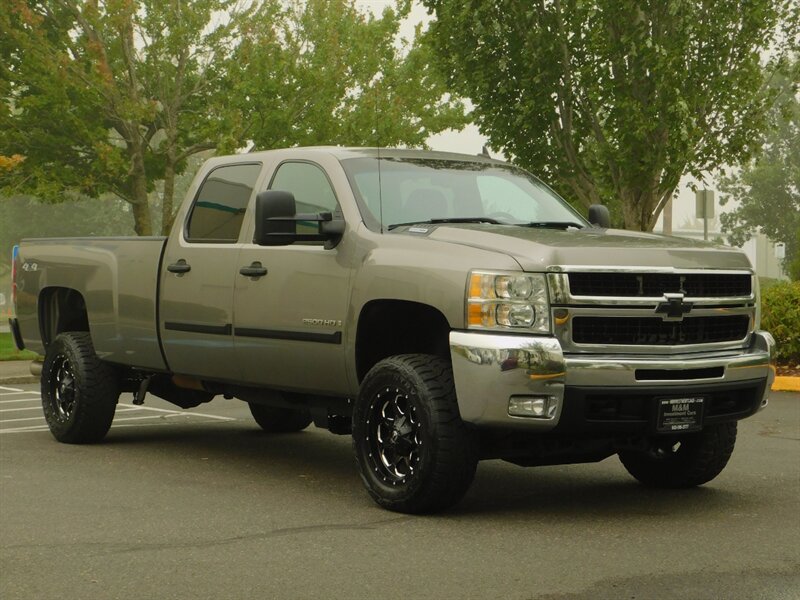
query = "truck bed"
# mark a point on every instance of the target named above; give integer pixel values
(118, 281)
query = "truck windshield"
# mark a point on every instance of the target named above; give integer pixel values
(420, 190)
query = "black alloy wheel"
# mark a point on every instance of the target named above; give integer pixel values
(413, 451)
(62, 388)
(79, 391)
(393, 429)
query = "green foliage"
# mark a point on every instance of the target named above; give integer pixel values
(767, 189)
(118, 96)
(614, 100)
(321, 72)
(108, 96)
(780, 316)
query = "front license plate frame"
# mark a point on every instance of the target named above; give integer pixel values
(680, 414)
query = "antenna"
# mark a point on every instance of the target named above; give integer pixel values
(378, 147)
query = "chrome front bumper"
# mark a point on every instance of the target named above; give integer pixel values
(489, 369)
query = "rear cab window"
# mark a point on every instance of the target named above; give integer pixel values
(218, 211)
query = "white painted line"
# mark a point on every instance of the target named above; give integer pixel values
(38, 428)
(18, 392)
(29, 429)
(117, 422)
(145, 417)
(8, 389)
(23, 400)
(175, 412)
(2, 410)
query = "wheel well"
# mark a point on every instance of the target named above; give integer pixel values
(61, 309)
(390, 327)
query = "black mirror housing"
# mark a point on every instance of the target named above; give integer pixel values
(275, 212)
(277, 218)
(599, 216)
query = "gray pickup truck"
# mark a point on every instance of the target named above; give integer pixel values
(441, 308)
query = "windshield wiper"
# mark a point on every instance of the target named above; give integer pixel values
(551, 224)
(449, 220)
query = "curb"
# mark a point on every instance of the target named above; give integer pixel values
(35, 368)
(784, 383)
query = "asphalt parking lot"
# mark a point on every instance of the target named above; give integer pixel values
(202, 504)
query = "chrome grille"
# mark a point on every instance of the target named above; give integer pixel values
(697, 285)
(653, 331)
(659, 310)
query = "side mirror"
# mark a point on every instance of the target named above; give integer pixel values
(275, 224)
(277, 219)
(599, 217)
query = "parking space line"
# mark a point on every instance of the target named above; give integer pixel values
(21, 400)
(147, 417)
(118, 422)
(8, 389)
(175, 412)
(27, 429)
(17, 393)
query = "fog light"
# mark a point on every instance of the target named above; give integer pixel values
(537, 407)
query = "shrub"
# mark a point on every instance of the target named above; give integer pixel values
(780, 316)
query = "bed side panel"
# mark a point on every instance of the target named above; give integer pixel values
(118, 280)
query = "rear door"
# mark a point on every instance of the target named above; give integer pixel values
(198, 275)
(290, 323)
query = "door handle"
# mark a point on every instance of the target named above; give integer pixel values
(254, 270)
(179, 267)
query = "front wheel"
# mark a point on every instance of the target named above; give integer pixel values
(79, 391)
(686, 461)
(414, 453)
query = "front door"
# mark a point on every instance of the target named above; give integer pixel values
(290, 322)
(198, 276)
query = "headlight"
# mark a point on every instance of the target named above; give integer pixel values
(508, 301)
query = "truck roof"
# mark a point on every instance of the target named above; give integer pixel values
(343, 153)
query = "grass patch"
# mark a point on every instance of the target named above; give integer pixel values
(8, 351)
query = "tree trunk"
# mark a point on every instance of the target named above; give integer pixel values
(168, 197)
(142, 223)
(167, 212)
(637, 209)
(142, 219)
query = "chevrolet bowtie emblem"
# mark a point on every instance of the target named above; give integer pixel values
(673, 308)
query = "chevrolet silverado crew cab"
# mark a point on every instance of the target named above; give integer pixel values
(440, 308)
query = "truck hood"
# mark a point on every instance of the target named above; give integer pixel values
(538, 249)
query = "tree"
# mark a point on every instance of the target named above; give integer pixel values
(110, 96)
(323, 72)
(767, 189)
(614, 100)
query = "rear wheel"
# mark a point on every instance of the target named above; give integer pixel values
(414, 452)
(79, 391)
(280, 420)
(685, 461)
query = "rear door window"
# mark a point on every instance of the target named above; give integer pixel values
(220, 204)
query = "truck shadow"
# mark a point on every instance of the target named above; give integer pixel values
(588, 492)
(574, 492)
